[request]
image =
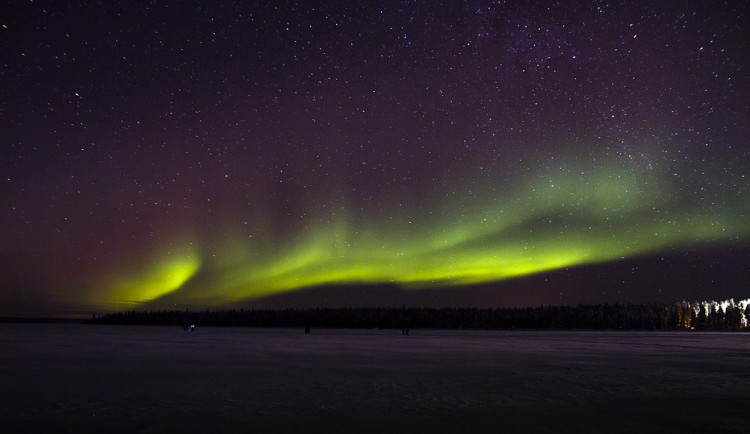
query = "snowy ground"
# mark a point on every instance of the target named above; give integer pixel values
(118, 379)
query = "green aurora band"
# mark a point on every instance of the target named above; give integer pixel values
(558, 219)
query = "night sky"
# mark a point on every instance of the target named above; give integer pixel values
(206, 154)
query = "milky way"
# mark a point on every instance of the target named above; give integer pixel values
(189, 154)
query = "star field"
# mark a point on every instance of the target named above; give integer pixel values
(184, 153)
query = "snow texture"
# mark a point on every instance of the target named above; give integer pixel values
(122, 379)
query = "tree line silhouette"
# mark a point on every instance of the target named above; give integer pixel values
(697, 315)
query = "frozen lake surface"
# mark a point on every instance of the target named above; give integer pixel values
(123, 379)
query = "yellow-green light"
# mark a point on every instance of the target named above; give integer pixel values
(557, 219)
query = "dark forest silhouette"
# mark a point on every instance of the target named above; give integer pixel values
(711, 315)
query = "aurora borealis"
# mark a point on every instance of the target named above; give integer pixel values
(183, 154)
